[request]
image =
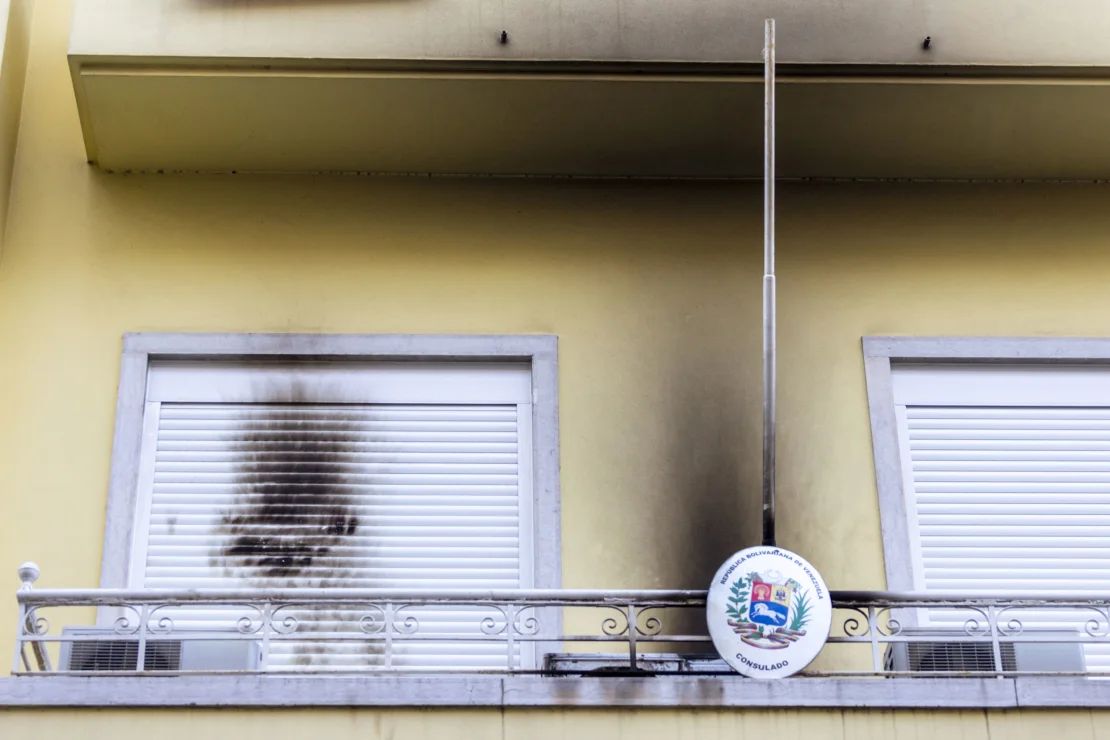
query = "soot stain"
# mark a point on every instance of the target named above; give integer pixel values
(294, 509)
(293, 506)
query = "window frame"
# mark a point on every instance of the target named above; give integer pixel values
(141, 349)
(880, 353)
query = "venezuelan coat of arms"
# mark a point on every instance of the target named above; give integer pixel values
(767, 610)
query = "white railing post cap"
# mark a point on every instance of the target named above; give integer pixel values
(28, 573)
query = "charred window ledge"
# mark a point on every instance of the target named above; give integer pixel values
(535, 691)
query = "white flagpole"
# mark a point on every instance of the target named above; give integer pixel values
(769, 348)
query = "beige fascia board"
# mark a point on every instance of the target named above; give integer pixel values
(490, 691)
(587, 66)
(83, 114)
(94, 72)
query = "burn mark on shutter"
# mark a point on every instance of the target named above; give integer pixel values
(294, 520)
(294, 509)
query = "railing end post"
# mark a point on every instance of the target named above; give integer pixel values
(28, 574)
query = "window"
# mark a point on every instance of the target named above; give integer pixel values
(994, 476)
(265, 465)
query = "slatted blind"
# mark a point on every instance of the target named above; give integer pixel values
(363, 495)
(1010, 496)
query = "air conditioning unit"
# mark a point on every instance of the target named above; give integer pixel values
(110, 652)
(948, 655)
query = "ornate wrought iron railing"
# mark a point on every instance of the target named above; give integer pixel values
(557, 632)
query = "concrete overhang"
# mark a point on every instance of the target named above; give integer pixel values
(666, 90)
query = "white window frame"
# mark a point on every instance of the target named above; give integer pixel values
(140, 350)
(880, 355)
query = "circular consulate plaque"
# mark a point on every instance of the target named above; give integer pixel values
(769, 612)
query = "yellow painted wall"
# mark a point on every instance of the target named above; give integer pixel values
(653, 290)
(576, 724)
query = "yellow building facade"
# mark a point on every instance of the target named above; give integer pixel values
(651, 287)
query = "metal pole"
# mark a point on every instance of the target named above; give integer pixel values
(769, 347)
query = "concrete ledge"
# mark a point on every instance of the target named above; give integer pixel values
(1061, 692)
(536, 691)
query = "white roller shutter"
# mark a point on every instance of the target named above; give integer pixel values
(1007, 477)
(377, 491)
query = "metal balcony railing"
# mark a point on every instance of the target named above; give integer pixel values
(554, 632)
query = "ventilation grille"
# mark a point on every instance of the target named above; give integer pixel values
(958, 656)
(123, 655)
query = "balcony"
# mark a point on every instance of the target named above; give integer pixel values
(541, 647)
(593, 88)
